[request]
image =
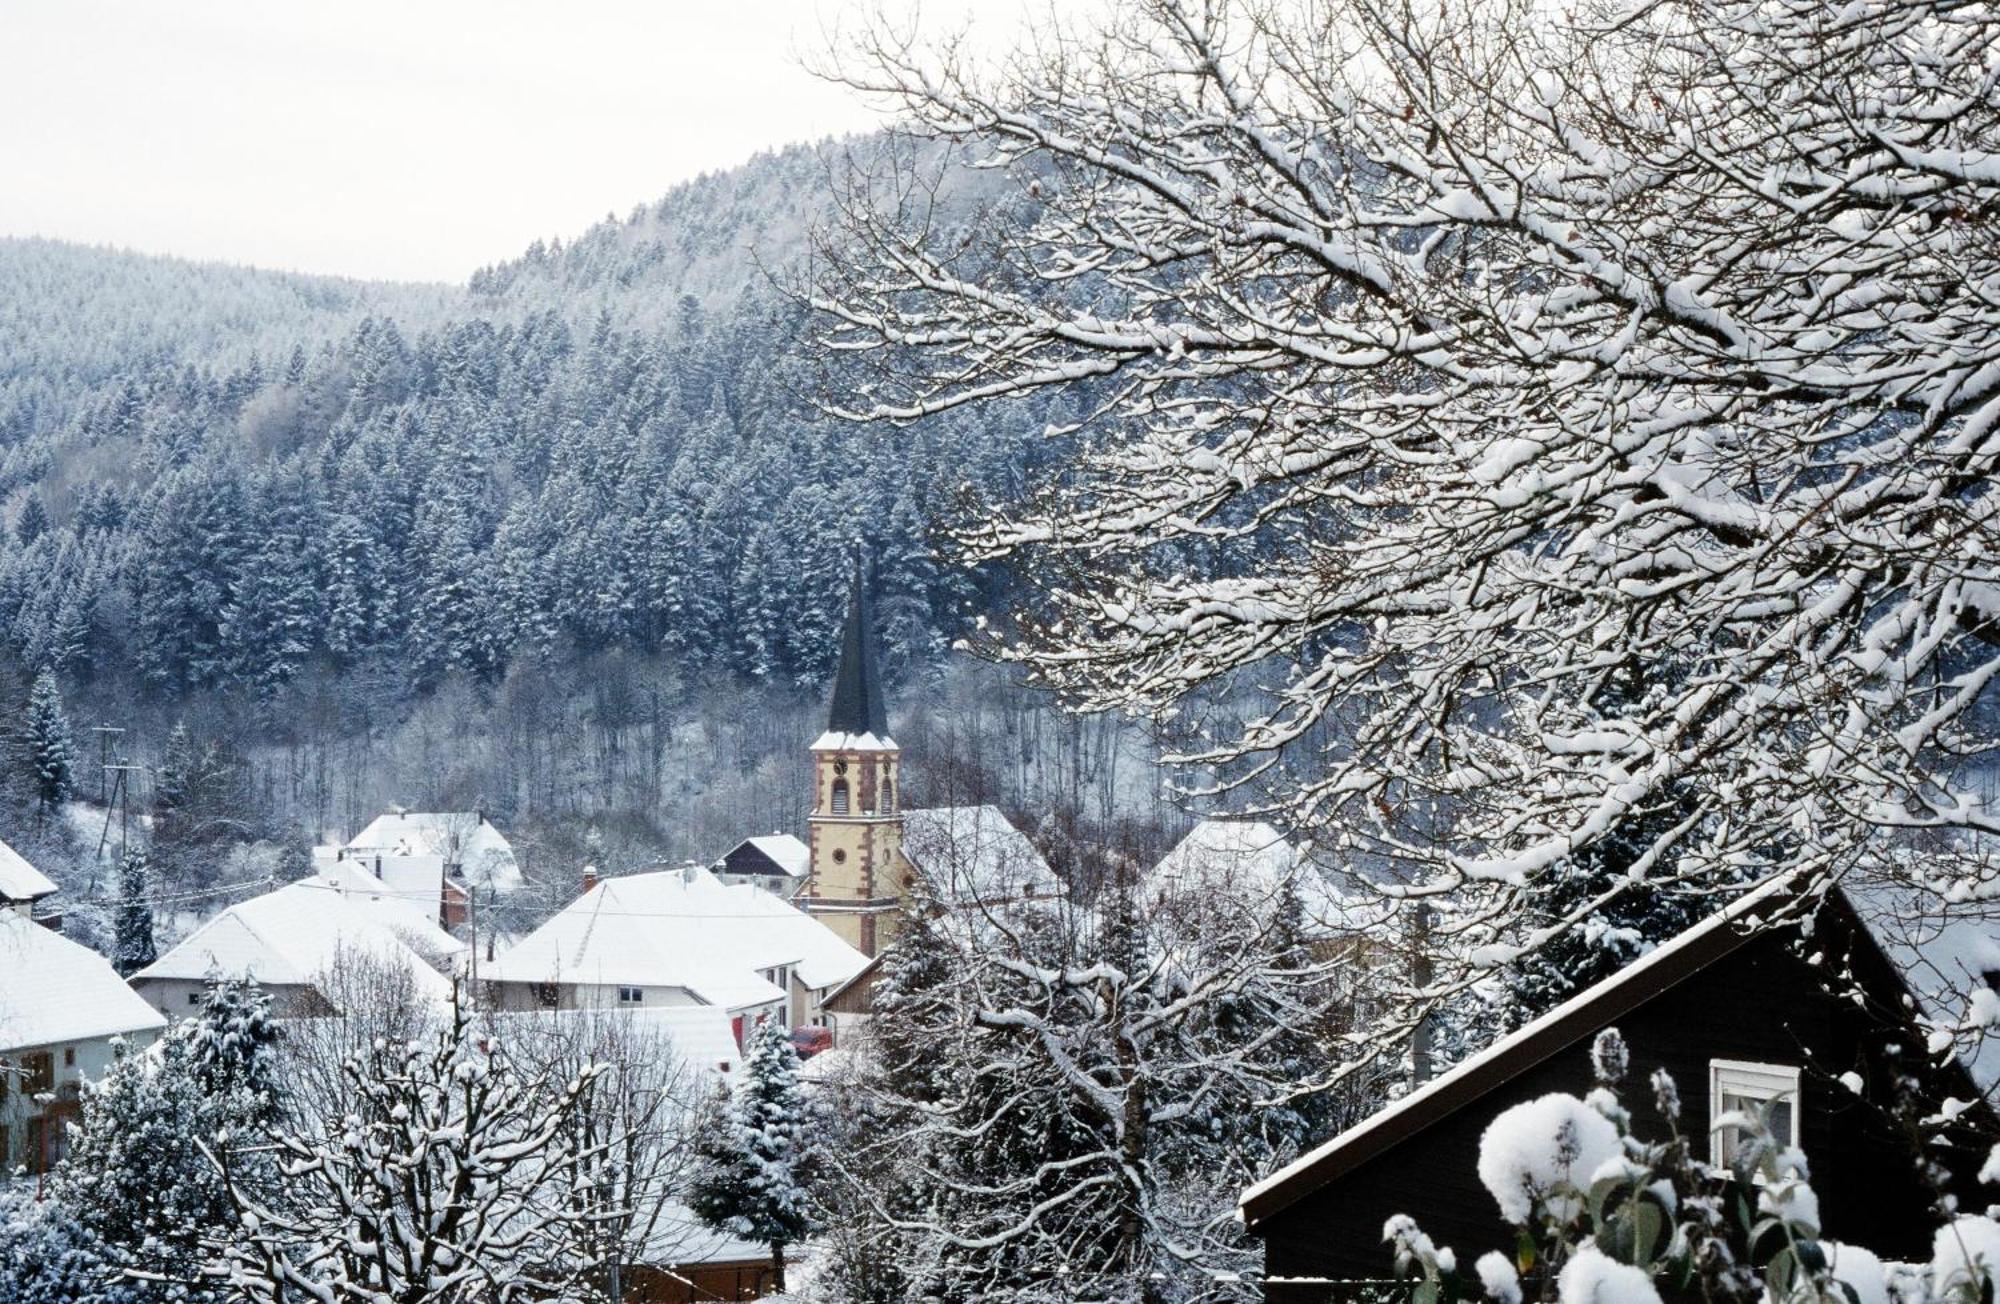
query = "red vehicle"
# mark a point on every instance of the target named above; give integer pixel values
(809, 1042)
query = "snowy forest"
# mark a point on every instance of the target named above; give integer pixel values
(1425, 731)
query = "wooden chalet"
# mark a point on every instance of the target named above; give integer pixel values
(1809, 1007)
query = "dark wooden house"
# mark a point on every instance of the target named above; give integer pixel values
(1769, 1001)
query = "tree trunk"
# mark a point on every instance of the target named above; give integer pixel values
(778, 1267)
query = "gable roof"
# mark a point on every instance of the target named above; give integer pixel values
(486, 855)
(20, 881)
(55, 990)
(679, 928)
(1248, 862)
(782, 852)
(415, 920)
(1706, 943)
(974, 854)
(289, 938)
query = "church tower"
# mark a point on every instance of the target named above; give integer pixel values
(856, 826)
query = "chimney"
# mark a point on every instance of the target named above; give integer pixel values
(589, 878)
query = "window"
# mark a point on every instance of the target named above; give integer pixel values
(631, 996)
(840, 796)
(69, 1057)
(1741, 1087)
(839, 856)
(38, 1072)
(888, 795)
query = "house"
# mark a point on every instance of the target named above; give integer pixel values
(22, 886)
(413, 923)
(61, 1005)
(776, 862)
(676, 937)
(302, 943)
(1741, 1013)
(1249, 864)
(848, 1007)
(440, 856)
(688, 1262)
(972, 856)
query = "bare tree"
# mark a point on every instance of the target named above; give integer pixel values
(449, 1173)
(1447, 370)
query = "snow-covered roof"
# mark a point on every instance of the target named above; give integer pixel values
(833, 741)
(973, 854)
(483, 853)
(53, 990)
(678, 1237)
(415, 920)
(20, 881)
(1248, 862)
(291, 937)
(788, 853)
(1446, 1084)
(1965, 947)
(680, 928)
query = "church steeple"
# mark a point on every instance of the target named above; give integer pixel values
(858, 706)
(856, 826)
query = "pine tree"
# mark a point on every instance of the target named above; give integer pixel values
(34, 522)
(232, 1049)
(170, 784)
(51, 753)
(135, 949)
(753, 1152)
(133, 1177)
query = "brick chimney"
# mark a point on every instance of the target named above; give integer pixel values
(589, 878)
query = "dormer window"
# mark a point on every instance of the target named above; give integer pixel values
(1740, 1087)
(840, 796)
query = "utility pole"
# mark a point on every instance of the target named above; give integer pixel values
(105, 733)
(121, 793)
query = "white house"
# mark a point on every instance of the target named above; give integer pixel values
(60, 1006)
(466, 841)
(973, 855)
(675, 938)
(293, 941)
(437, 857)
(1245, 864)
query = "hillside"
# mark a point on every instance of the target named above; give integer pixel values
(607, 444)
(523, 542)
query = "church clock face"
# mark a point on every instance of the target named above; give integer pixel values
(840, 767)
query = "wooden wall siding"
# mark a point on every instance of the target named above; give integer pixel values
(698, 1283)
(1761, 1003)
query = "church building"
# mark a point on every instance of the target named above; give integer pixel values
(865, 850)
(854, 882)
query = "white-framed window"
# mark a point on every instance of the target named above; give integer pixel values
(631, 996)
(1770, 1091)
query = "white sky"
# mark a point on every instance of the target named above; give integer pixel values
(419, 139)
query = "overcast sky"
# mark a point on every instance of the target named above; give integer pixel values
(415, 139)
